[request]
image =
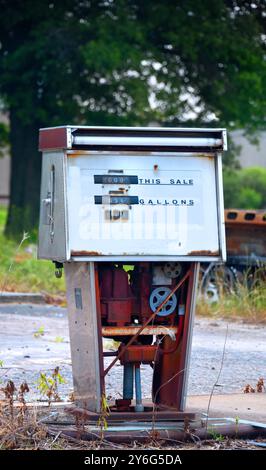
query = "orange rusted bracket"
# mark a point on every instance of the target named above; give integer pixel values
(148, 321)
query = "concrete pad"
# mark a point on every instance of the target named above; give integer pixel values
(250, 406)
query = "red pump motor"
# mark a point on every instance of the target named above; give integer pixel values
(116, 296)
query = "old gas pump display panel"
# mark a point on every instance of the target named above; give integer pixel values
(135, 205)
(131, 193)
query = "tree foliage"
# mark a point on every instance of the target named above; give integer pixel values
(245, 189)
(4, 138)
(124, 62)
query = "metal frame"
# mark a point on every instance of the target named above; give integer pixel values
(173, 369)
(143, 141)
(55, 247)
(202, 259)
(64, 137)
(190, 320)
(137, 128)
(220, 207)
(84, 332)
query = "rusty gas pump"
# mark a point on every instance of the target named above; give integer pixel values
(130, 213)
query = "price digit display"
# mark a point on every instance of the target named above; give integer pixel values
(115, 179)
(128, 200)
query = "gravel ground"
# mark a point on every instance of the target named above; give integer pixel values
(34, 338)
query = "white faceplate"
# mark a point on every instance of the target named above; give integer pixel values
(169, 208)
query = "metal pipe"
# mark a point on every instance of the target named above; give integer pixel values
(142, 141)
(127, 436)
(110, 353)
(139, 406)
(128, 381)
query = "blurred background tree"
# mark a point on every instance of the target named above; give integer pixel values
(245, 188)
(4, 138)
(123, 62)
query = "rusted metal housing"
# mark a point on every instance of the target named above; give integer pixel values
(246, 255)
(245, 236)
(138, 353)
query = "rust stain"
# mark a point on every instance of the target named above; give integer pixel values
(132, 330)
(210, 156)
(78, 153)
(203, 253)
(85, 253)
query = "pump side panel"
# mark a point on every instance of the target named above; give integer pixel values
(85, 342)
(143, 204)
(53, 225)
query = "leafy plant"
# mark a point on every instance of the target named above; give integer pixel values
(48, 386)
(59, 339)
(39, 332)
(216, 436)
(105, 412)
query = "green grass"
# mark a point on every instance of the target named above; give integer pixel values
(246, 304)
(3, 216)
(21, 271)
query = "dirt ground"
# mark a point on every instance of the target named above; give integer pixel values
(34, 338)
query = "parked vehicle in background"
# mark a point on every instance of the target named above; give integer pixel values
(246, 254)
